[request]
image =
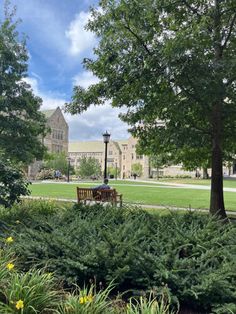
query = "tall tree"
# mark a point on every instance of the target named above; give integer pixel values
(57, 161)
(89, 167)
(21, 122)
(169, 61)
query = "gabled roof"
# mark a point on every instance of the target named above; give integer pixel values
(48, 113)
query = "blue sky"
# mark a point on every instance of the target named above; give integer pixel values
(57, 44)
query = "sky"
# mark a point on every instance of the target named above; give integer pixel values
(57, 43)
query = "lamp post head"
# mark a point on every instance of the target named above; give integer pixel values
(106, 137)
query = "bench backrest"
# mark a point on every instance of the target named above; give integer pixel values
(108, 195)
(84, 194)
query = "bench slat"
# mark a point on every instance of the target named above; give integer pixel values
(108, 195)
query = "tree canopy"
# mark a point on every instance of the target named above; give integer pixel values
(22, 125)
(21, 122)
(89, 167)
(172, 64)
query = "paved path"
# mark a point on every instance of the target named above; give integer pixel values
(185, 185)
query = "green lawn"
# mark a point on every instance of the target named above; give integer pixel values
(136, 193)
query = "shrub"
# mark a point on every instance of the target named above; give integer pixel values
(13, 183)
(45, 174)
(190, 254)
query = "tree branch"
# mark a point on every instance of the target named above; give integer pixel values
(194, 10)
(230, 31)
(137, 37)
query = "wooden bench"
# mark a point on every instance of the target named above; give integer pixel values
(99, 196)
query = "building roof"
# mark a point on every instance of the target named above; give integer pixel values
(48, 113)
(86, 147)
(122, 142)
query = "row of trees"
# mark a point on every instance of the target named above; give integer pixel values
(88, 167)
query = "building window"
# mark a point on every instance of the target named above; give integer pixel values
(132, 156)
(123, 157)
(110, 152)
(124, 167)
(57, 134)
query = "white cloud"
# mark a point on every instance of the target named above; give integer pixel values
(49, 101)
(85, 79)
(91, 124)
(80, 39)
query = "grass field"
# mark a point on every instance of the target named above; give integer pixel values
(139, 193)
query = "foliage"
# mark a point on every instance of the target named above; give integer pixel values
(21, 122)
(191, 255)
(114, 171)
(89, 167)
(57, 161)
(149, 305)
(137, 168)
(172, 66)
(157, 161)
(45, 174)
(87, 301)
(12, 183)
(33, 291)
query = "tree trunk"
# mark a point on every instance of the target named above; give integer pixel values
(217, 206)
(205, 173)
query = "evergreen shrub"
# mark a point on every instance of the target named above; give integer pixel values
(191, 255)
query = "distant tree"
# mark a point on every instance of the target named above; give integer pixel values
(169, 61)
(57, 161)
(89, 167)
(158, 161)
(137, 169)
(114, 171)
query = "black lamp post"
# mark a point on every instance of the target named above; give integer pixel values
(68, 169)
(116, 170)
(106, 138)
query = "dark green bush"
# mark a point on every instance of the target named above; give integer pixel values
(191, 255)
(13, 183)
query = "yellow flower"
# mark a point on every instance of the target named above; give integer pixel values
(10, 266)
(9, 240)
(19, 304)
(82, 300)
(89, 298)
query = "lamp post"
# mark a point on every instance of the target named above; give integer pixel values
(68, 169)
(116, 170)
(106, 138)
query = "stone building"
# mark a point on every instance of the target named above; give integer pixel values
(56, 140)
(121, 155)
